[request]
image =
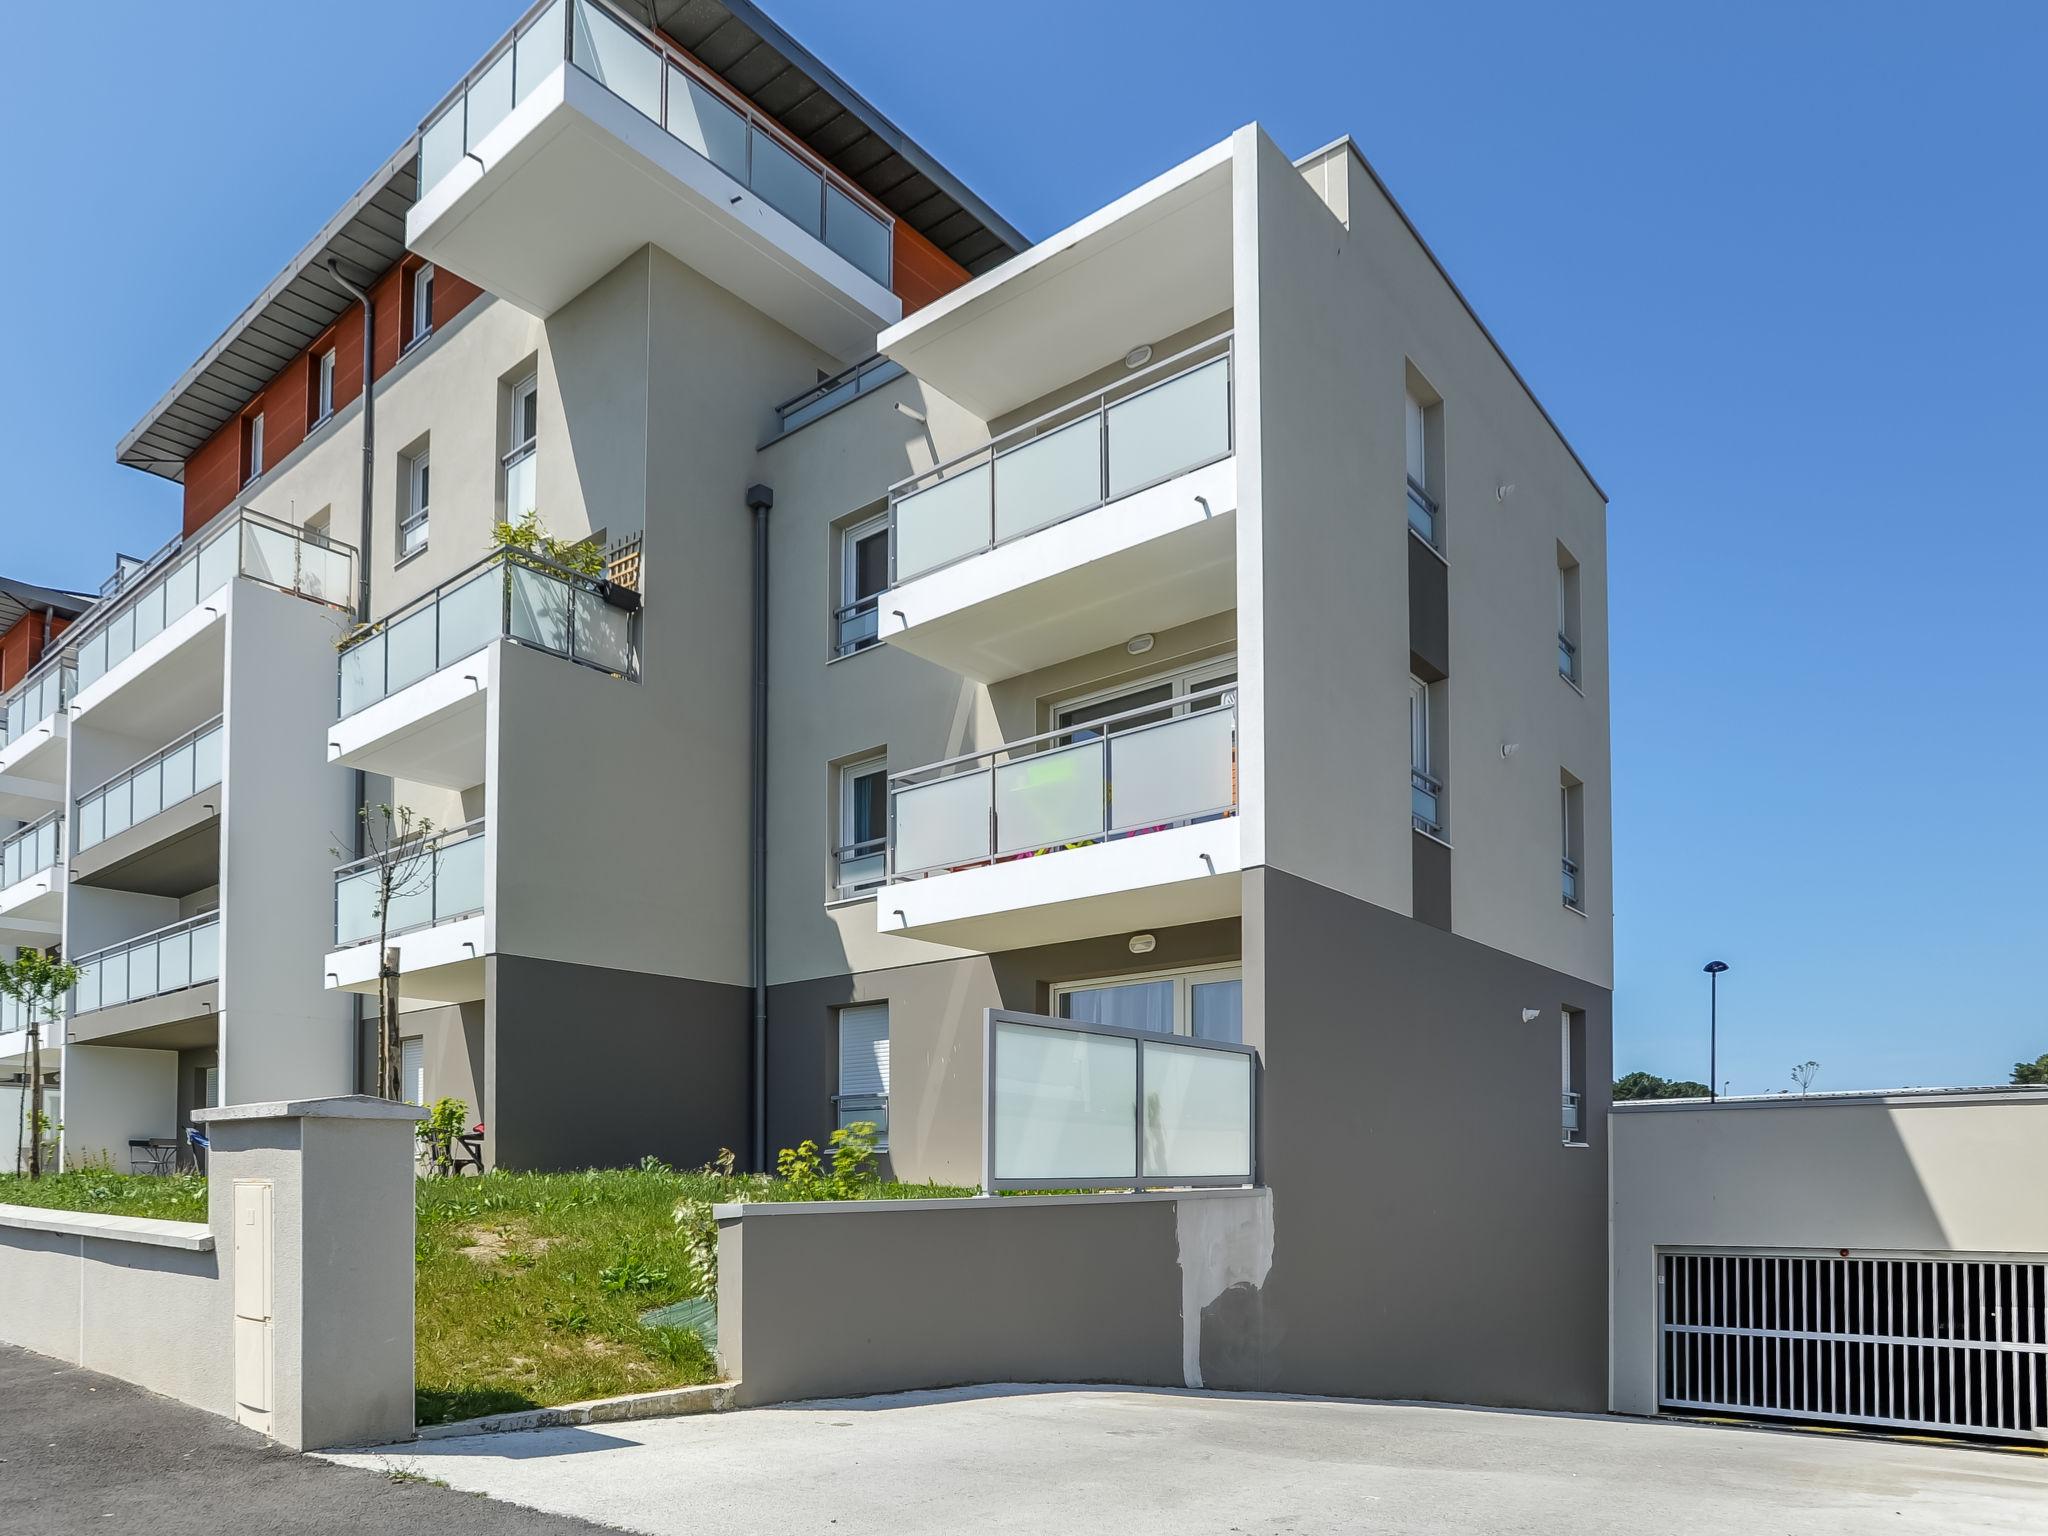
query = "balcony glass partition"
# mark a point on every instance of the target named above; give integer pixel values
(509, 596)
(31, 849)
(435, 880)
(250, 545)
(161, 780)
(1140, 771)
(1422, 514)
(185, 954)
(673, 90)
(1171, 418)
(1074, 1105)
(1426, 802)
(36, 698)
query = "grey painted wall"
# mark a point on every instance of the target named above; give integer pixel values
(1433, 1237)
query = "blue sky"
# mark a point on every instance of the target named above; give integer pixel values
(1774, 269)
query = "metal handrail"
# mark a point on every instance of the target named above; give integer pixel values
(1097, 726)
(197, 920)
(1573, 896)
(1432, 786)
(154, 758)
(685, 62)
(1567, 657)
(434, 594)
(433, 841)
(23, 834)
(429, 848)
(858, 376)
(61, 664)
(841, 646)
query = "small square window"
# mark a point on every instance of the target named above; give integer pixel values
(422, 310)
(323, 386)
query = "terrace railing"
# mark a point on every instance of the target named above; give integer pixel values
(31, 849)
(446, 882)
(1148, 427)
(1098, 1106)
(38, 696)
(173, 773)
(184, 954)
(672, 89)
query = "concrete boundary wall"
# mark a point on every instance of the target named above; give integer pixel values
(321, 1353)
(844, 1299)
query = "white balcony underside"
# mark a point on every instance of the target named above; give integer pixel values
(170, 682)
(1146, 562)
(577, 181)
(442, 964)
(1158, 880)
(32, 769)
(14, 1051)
(34, 900)
(431, 731)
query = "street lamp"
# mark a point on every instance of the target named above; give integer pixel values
(1714, 968)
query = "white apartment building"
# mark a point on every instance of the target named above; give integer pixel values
(1191, 622)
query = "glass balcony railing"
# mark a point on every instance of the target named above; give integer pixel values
(1151, 426)
(675, 91)
(1422, 515)
(508, 596)
(32, 849)
(185, 954)
(1426, 802)
(1138, 771)
(37, 697)
(1573, 897)
(846, 385)
(294, 560)
(177, 772)
(435, 880)
(14, 1016)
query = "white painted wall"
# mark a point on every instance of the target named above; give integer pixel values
(113, 1093)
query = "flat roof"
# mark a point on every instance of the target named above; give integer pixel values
(1987, 1094)
(734, 38)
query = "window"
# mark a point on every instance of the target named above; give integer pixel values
(522, 432)
(422, 312)
(863, 825)
(206, 1087)
(252, 446)
(412, 1070)
(1422, 431)
(412, 524)
(1425, 755)
(863, 573)
(1170, 691)
(1571, 801)
(864, 1068)
(1207, 1003)
(1567, 616)
(1572, 1044)
(323, 386)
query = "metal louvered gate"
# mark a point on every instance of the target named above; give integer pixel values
(1953, 1344)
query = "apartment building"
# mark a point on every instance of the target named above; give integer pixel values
(1191, 622)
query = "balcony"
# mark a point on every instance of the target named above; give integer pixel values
(582, 137)
(154, 827)
(160, 989)
(161, 605)
(1127, 822)
(412, 693)
(436, 918)
(31, 890)
(1109, 515)
(32, 734)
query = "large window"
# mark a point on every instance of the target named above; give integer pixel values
(863, 825)
(1178, 692)
(412, 525)
(1425, 755)
(1571, 796)
(864, 1068)
(1207, 1003)
(522, 431)
(863, 573)
(1567, 616)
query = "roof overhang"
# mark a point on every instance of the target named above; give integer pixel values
(23, 597)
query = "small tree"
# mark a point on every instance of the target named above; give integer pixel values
(37, 981)
(398, 860)
(1804, 1074)
(530, 536)
(2031, 1074)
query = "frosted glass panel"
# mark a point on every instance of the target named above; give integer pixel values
(324, 573)
(787, 185)
(91, 822)
(142, 968)
(181, 590)
(1065, 1104)
(618, 60)
(206, 760)
(1049, 799)
(1166, 773)
(270, 554)
(217, 564)
(1198, 1120)
(1170, 428)
(362, 674)
(92, 659)
(459, 879)
(1049, 478)
(943, 823)
(206, 952)
(116, 800)
(146, 793)
(520, 494)
(355, 904)
(707, 125)
(441, 146)
(490, 98)
(412, 901)
(177, 774)
(409, 650)
(942, 522)
(856, 234)
(540, 610)
(470, 615)
(604, 634)
(174, 963)
(538, 51)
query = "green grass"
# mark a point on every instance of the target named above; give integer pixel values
(179, 1198)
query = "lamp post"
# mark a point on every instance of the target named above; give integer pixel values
(1714, 968)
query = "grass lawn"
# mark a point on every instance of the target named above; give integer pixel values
(180, 1198)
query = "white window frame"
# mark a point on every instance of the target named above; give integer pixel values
(1572, 867)
(415, 1048)
(419, 484)
(422, 303)
(848, 880)
(524, 449)
(1216, 672)
(323, 386)
(1574, 1134)
(853, 605)
(1184, 979)
(1423, 756)
(255, 448)
(1415, 462)
(848, 1107)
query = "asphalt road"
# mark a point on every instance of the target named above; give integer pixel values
(83, 1452)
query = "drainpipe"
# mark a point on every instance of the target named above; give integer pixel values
(759, 499)
(362, 788)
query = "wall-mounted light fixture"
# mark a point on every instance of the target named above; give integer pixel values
(1143, 943)
(1138, 645)
(1138, 357)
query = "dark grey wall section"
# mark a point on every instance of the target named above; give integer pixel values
(1429, 612)
(1432, 880)
(589, 1067)
(1433, 1236)
(935, 1037)
(948, 1293)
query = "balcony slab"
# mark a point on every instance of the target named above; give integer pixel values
(442, 964)
(170, 1021)
(432, 730)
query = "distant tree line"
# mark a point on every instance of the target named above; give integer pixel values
(1648, 1085)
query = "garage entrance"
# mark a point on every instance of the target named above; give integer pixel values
(1955, 1343)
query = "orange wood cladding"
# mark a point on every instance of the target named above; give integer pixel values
(21, 647)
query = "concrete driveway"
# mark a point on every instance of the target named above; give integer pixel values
(1134, 1463)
